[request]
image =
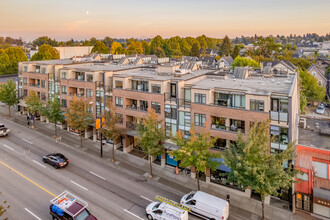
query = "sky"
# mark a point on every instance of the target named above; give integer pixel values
(83, 19)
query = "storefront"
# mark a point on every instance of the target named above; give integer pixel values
(321, 202)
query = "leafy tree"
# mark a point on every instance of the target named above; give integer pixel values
(117, 48)
(53, 111)
(195, 151)
(151, 134)
(236, 50)
(15, 55)
(185, 47)
(9, 94)
(195, 50)
(146, 47)
(46, 52)
(159, 52)
(225, 47)
(253, 166)
(202, 42)
(172, 47)
(266, 47)
(310, 87)
(108, 41)
(327, 72)
(135, 47)
(86, 43)
(156, 43)
(100, 47)
(44, 40)
(77, 115)
(33, 104)
(243, 61)
(3, 208)
(110, 127)
(69, 43)
(4, 62)
(93, 41)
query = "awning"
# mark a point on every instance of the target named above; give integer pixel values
(132, 133)
(22, 103)
(222, 166)
(171, 146)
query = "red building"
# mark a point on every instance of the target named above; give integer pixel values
(312, 190)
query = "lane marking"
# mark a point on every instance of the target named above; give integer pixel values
(27, 141)
(146, 198)
(8, 147)
(32, 214)
(39, 163)
(79, 185)
(28, 179)
(133, 214)
(97, 175)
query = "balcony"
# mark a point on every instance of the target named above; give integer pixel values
(135, 107)
(219, 127)
(108, 89)
(279, 116)
(131, 126)
(35, 85)
(170, 97)
(184, 103)
(99, 85)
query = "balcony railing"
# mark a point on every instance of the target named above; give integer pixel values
(184, 103)
(35, 85)
(134, 107)
(99, 85)
(226, 128)
(279, 116)
(170, 97)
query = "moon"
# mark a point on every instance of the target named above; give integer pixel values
(87, 12)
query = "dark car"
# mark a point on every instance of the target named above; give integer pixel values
(56, 159)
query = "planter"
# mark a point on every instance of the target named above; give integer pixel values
(42, 118)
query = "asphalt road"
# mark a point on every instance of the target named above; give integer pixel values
(28, 184)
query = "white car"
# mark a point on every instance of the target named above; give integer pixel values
(3, 130)
(320, 109)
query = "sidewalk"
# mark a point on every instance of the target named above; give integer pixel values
(166, 176)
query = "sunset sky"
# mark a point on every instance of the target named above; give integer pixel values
(83, 19)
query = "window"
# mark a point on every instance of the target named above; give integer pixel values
(51, 86)
(313, 73)
(218, 123)
(173, 90)
(200, 98)
(284, 105)
(43, 96)
(120, 116)
(25, 81)
(320, 169)
(280, 137)
(256, 105)
(25, 92)
(37, 69)
(187, 95)
(89, 93)
(156, 106)
(238, 101)
(64, 75)
(155, 88)
(64, 103)
(144, 105)
(200, 119)
(236, 125)
(221, 99)
(90, 109)
(302, 176)
(119, 101)
(184, 120)
(64, 90)
(43, 83)
(89, 78)
(170, 111)
(25, 68)
(43, 70)
(118, 84)
(142, 86)
(220, 144)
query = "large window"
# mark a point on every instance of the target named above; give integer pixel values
(64, 103)
(142, 86)
(218, 123)
(280, 137)
(64, 75)
(43, 70)
(64, 90)
(221, 99)
(43, 96)
(89, 77)
(25, 68)
(200, 98)
(155, 88)
(24, 80)
(156, 107)
(170, 111)
(302, 176)
(187, 95)
(118, 84)
(220, 144)
(119, 101)
(200, 119)
(43, 83)
(256, 105)
(184, 120)
(238, 101)
(89, 93)
(236, 125)
(320, 169)
(144, 105)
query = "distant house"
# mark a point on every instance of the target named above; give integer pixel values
(224, 63)
(322, 62)
(209, 52)
(208, 62)
(319, 74)
(278, 67)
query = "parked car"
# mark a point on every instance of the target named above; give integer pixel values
(3, 130)
(164, 211)
(320, 109)
(206, 206)
(56, 159)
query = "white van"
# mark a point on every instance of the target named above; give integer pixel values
(206, 206)
(164, 211)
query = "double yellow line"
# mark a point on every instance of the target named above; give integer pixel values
(27, 179)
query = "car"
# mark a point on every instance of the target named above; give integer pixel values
(3, 130)
(320, 109)
(56, 159)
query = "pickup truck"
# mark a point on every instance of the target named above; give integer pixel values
(68, 206)
(3, 130)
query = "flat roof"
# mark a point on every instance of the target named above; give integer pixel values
(100, 67)
(51, 62)
(311, 135)
(153, 75)
(250, 85)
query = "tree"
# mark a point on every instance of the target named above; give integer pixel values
(310, 87)
(44, 40)
(195, 50)
(100, 47)
(9, 94)
(78, 116)
(110, 127)
(4, 62)
(185, 47)
(107, 41)
(159, 52)
(254, 167)
(225, 47)
(172, 47)
(33, 104)
(236, 50)
(327, 72)
(266, 47)
(46, 52)
(195, 151)
(156, 43)
(117, 48)
(151, 134)
(135, 47)
(146, 47)
(15, 55)
(53, 111)
(3, 208)
(243, 61)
